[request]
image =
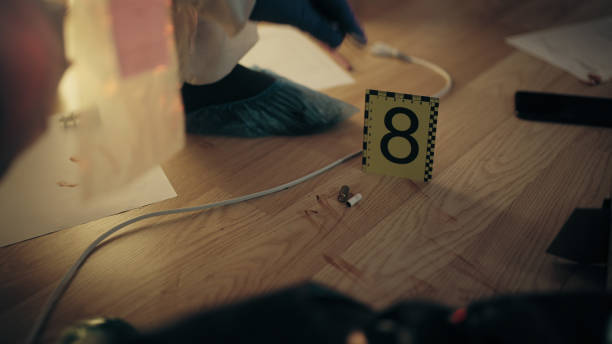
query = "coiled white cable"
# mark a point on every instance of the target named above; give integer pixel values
(384, 50)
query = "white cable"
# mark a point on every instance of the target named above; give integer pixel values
(383, 50)
(61, 288)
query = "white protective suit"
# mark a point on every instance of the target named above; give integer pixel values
(211, 37)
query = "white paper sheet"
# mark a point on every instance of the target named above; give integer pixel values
(288, 52)
(583, 49)
(40, 193)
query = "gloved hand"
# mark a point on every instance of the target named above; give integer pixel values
(327, 20)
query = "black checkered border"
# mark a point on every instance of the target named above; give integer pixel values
(431, 138)
(366, 116)
(366, 119)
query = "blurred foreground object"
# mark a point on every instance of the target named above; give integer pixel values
(98, 331)
(116, 117)
(122, 87)
(311, 313)
(31, 65)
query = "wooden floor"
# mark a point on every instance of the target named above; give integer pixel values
(501, 190)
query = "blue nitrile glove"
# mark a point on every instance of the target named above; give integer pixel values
(327, 20)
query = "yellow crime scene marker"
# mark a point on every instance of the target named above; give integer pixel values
(399, 134)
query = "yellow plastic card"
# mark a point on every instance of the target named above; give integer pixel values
(399, 134)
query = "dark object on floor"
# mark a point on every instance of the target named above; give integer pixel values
(584, 238)
(561, 108)
(344, 194)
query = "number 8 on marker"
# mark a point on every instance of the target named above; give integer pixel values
(393, 132)
(399, 148)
